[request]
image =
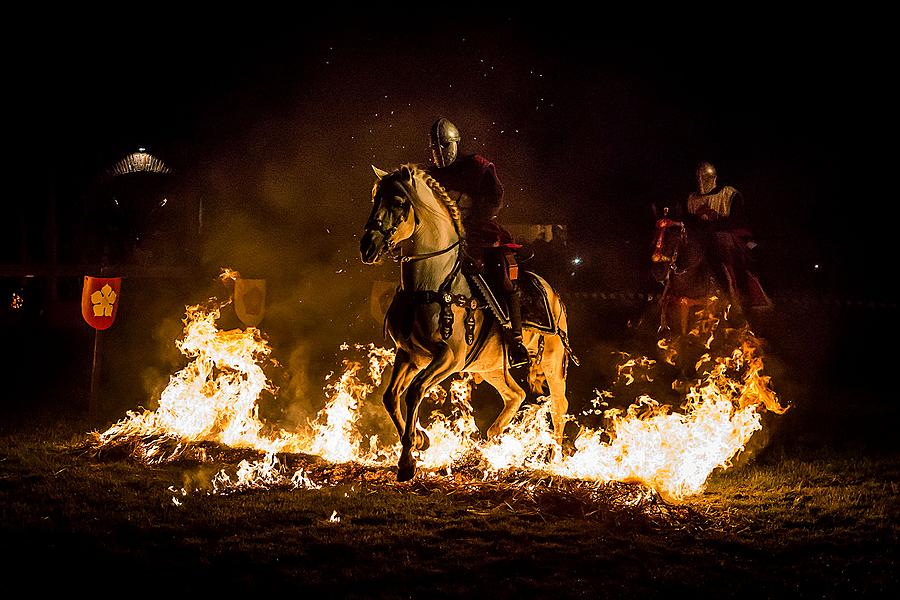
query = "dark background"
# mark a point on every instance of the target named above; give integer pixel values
(272, 126)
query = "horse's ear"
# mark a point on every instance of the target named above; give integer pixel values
(379, 173)
(406, 173)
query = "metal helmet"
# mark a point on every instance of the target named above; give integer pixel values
(706, 177)
(444, 142)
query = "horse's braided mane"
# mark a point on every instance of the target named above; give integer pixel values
(442, 195)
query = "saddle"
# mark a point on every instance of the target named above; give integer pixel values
(534, 302)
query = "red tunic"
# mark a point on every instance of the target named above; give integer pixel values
(472, 181)
(720, 216)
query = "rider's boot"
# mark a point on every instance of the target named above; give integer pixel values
(517, 353)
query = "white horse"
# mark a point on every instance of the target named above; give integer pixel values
(435, 320)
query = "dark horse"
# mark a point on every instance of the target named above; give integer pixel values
(694, 303)
(693, 299)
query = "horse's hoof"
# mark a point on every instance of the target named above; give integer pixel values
(422, 440)
(494, 432)
(406, 473)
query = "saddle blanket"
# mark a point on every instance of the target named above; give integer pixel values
(534, 301)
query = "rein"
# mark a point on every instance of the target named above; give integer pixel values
(671, 261)
(418, 257)
(442, 296)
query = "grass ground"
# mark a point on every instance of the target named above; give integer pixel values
(800, 520)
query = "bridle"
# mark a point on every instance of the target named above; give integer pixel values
(443, 295)
(378, 226)
(662, 227)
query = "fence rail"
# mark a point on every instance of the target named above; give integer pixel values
(799, 300)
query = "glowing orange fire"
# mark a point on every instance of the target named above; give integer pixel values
(215, 398)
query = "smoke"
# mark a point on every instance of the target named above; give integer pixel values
(286, 191)
(281, 162)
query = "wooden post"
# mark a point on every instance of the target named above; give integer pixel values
(96, 365)
(96, 370)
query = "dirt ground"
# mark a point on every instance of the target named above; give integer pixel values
(799, 520)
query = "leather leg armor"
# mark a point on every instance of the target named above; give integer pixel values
(516, 350)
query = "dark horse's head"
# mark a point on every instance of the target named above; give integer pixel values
(680, 259)
(392, 219)
(668, 243)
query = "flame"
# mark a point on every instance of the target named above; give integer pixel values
(215, 397)
(335, 437)
(674, 453)
(228, 275)
(627, 368)
(669, 351)
(528, 443)
(455, 435)
(265, 473)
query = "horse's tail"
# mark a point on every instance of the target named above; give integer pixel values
(562, 330)
(537, 380)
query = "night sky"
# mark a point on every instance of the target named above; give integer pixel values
(587, 125)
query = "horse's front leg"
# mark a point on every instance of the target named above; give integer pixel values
(440, 367)
(401, 375)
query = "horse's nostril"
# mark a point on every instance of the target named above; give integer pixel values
(368, 248)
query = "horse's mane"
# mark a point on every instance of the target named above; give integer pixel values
(439, 192)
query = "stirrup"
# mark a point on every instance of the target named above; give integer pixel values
(517, 355)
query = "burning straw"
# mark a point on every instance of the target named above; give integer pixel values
(213, 401)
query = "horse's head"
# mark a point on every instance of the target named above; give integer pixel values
(668, 242)
(392, 219)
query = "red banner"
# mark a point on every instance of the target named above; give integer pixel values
(100, 300)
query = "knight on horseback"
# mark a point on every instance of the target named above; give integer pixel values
(471, 180)
(718, 213)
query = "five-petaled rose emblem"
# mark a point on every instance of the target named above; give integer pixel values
(100, 300)
(104, 300)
